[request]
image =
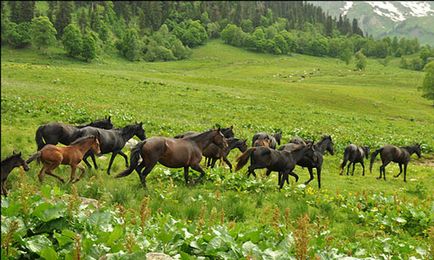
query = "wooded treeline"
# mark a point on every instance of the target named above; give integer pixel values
(166, 30)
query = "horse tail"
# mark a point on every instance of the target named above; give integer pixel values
(346, 157)
(134, 160)
(39, 137)
(373, 155)
(242, 159)
(36, 156)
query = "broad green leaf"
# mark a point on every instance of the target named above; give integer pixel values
(48, 253)
(46, 211)
(37, 243)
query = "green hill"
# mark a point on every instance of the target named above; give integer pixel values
(228, 215)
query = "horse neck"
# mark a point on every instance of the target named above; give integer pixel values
(410, 149)
(7, 167)
(322, 146)
(127, 135)
(84, 146)
(202, 140)
(298, 154)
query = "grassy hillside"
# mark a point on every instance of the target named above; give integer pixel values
(220, 84)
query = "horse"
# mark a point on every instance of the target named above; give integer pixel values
(354, 154)
(227, 133)
(299, 140)
(112, 141)
(313, 158)
(54, 133)
(273, 160)
(52, 156)
(7, 165)
(274, 138)
(213, 152)
(390, 153)
(173, 153)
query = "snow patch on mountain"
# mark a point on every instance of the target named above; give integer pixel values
(347, 6)
(418, 9)
(387, 9)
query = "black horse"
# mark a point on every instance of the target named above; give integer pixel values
(354, 154)
(7, 165)
(227, 133)
(390, 153)
(112, 141)
(54, 133)
(212, 153)
(299, 140)
(274, 139)
(314, 157)
(282, 162)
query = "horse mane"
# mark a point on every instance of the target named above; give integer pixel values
(198, 134)
(82, 139)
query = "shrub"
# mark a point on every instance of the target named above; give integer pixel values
(43, 32)
(72, 40)
(18, 36)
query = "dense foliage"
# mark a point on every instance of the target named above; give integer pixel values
(263, 26)
(428, 82)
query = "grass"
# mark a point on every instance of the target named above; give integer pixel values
(224, 85)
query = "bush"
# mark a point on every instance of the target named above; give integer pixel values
(130, 46)
(18, 36)
(72, 40)
(191, 33)
(43, 32)
(89, 47)
(360, 60)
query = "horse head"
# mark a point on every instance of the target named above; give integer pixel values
(366, 150)
(95, 147)
(418, 150)
(139, 131)
(18, 161)
(278, 136)
(242, 145)
(228, 132)
(105, 123)
(219, 139)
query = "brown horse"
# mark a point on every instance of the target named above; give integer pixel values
(390, 153)
(52, 156)
(172, 153)
(7, 165)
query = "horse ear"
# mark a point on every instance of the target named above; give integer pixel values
(110, 118)
(14, 152)
(232, 127)
(19, 153)
(141, 123)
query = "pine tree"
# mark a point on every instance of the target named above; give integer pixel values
(27, 11)
(63, 16)
(89, 47)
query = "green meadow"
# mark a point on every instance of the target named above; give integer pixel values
(228, 216)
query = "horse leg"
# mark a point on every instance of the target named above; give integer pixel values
(49, 171)
(145, 173)
(343, 166)
(186, 175)
(92, 155)
(72, 178)
(311, 176)
(352, 173)
(112, 158)
(225, 159)
(125, 157)
(363, 167)
(293, 174)
(4, 191)
(41, 174)
(348, 168)
(212, 162)
(268, 173)
(405, 172)
(400, 171)
(318, 175)
(197, 167)
(82, 171)
(85, 160)
(251, 171)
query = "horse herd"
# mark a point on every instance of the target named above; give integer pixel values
(186, 151)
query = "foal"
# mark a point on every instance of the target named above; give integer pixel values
(212, 153)
(354, 154)
(52, 156)
(390, 153)
(7, 165)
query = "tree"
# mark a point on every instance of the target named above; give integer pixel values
(130, 45)
(18, 36)
(360, 60)
(72, 40)
(21, 11)
(89, 47)
(43, 32)
(428, 82)
(63, 16)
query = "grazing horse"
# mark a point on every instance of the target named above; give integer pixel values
(227, 133)
(390, 153)
(213, 152)
(313, 158)
(112, 141)
(273, 160)
(7, 165)
(173, 153)
(52, 156)
(354, 154)
(54, 133)
(274, 139)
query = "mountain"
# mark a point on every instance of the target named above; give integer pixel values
(387, 18)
